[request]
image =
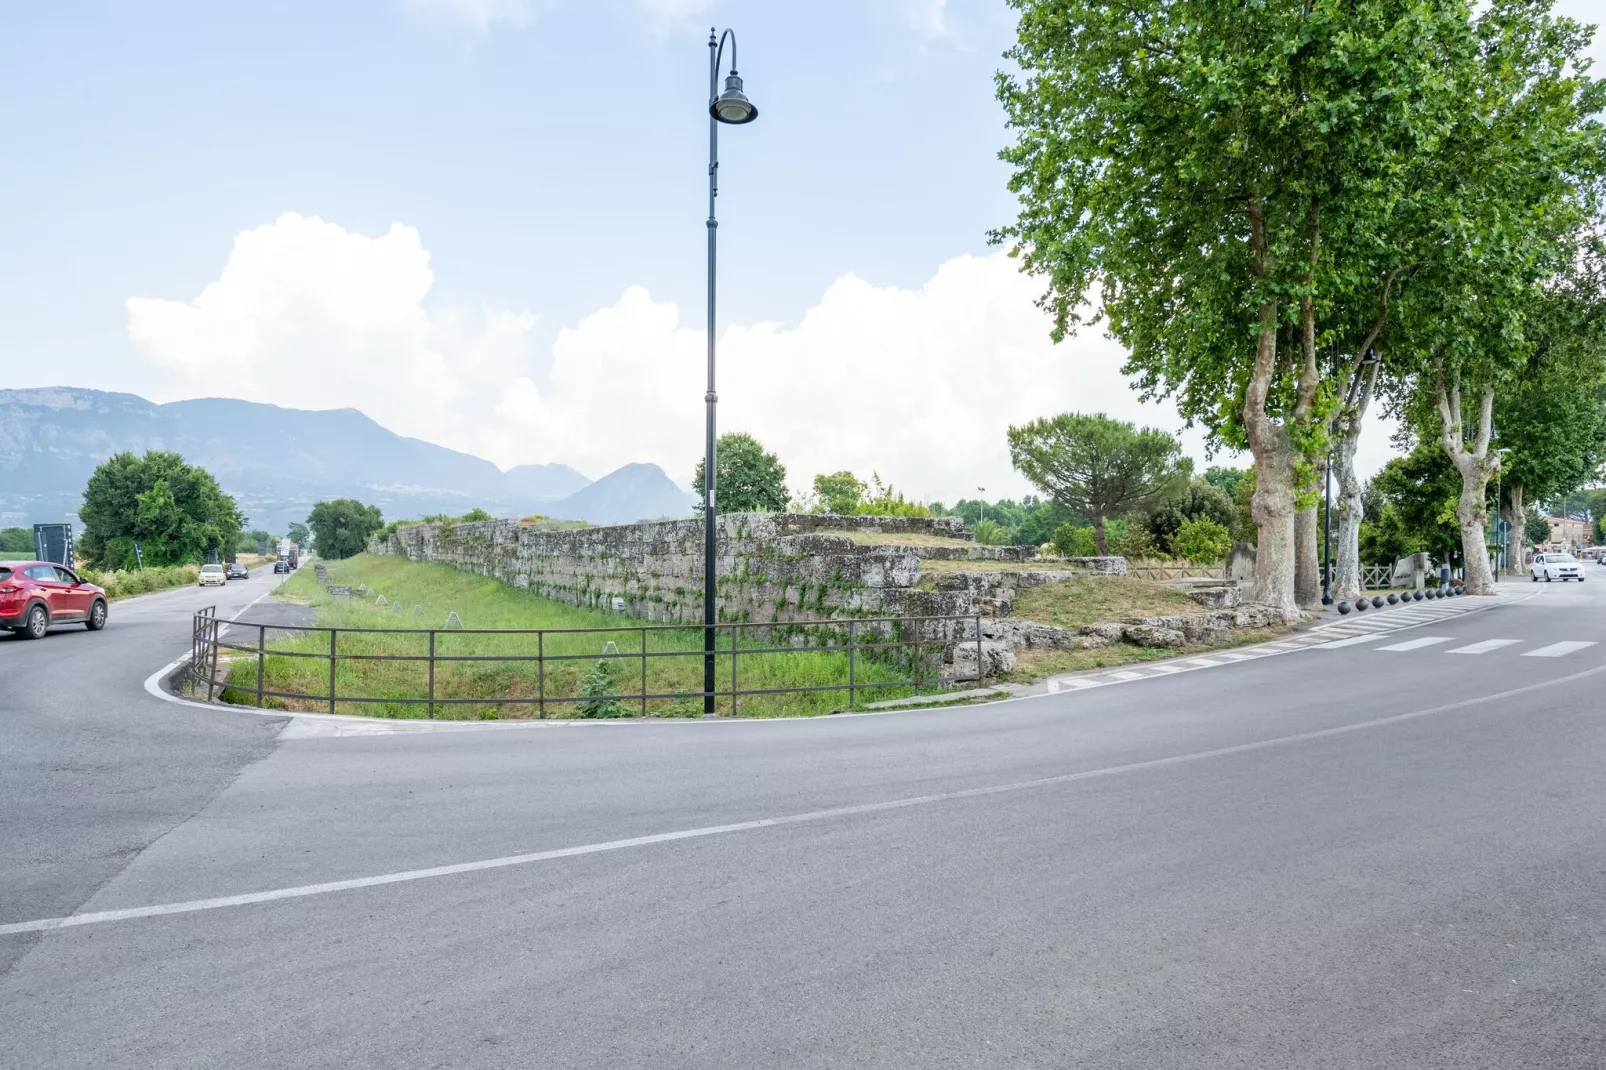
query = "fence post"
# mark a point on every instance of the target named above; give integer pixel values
(981, 674)
(332, 633)
(920, 634)
(540, 673)
(851, 624)
(644, 672)
(262, 643)
(432, 674)
(734, 627)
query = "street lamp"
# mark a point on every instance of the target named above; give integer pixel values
(731, 107)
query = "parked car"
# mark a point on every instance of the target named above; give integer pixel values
(237, 571)
(1550, 567)
(213, 576)
(37, 594)
(281, 565)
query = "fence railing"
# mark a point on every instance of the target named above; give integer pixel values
(445, 663)
(1151, 570)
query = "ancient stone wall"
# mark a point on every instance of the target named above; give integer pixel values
(770, 567)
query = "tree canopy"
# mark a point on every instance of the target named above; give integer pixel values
(341, 527)
(175, 511)
(748, 478)
(1097, 466)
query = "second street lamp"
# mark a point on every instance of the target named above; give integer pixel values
(731, 107)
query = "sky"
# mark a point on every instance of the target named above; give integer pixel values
(481, 222)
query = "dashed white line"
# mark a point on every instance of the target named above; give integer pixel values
(1556, 650)
(1418, 644)
(1483, 647)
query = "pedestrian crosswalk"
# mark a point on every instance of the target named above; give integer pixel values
(1483, 646)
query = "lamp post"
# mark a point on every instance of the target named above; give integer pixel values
(732, 107)
(1502, 550)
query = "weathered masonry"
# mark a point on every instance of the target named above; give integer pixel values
(772, 567)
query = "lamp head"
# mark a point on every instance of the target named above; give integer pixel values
(732, 106)
(1371, 356)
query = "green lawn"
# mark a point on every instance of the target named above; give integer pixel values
(674, 661)
(1091, 600)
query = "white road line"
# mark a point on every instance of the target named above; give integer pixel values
(1202, 663)
(1351, 641)
(1483, 647)
(1164, 667)
(1418, 644)
(1126, 674)
(1556, 650)
(302, 891)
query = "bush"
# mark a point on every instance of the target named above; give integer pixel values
(594, 690)
(991, 533)
(121, 583)
(1202, 541)
(1071, 540)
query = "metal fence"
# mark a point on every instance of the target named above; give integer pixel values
(925, 644)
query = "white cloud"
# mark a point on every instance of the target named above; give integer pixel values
(308, 314)
(929, 18)
(476, 13)
(918, 384)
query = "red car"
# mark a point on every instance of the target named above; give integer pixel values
(36, 594)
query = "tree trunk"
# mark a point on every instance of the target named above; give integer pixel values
(1516, 517)
(1273, 509)
(1098, 536)
(1307, 561)
(1475, 466)
(1348, 510)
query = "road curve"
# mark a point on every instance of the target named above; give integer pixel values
(1356, 856)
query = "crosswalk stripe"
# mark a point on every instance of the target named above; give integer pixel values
(1556, 650)
(1351, 641)
(1201, 663)
(1418, 644)
(1483, 647)
(1125, 674)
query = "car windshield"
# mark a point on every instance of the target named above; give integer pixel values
(211, 568)
(1563, 559)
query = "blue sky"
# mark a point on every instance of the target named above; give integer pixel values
(481, 222)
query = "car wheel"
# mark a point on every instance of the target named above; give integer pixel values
(36, 624)
(1549, 578)
(97, 616)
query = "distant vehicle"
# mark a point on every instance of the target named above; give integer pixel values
(213, 576)
(281, 565)
(238, 571)
(34, 595)
(1550, 567)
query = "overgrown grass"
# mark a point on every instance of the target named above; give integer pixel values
(1090, 600)
(1036, 664)
(674, 661)
(121, 583)
(905, 538)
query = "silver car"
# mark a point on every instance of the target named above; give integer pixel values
(1550, 567)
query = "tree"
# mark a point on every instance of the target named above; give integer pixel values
(747, 479)
(175, 511)
(1535, 528)
(1225, 478)
(1097, 466)
(298, 534)
(1222, 179)
(16, 541)
(341, 527)
(1201, 500)
(839, 492)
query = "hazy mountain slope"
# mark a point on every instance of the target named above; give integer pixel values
(634, 492)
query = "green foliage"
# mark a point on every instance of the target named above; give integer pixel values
(1243, 501)
(1413, 499)
(597, 690)
(991, 533)
(1535, 528)
(1097, 466)
(1075, 540)
(15, 542)
(839, 492)
(1135, 543)
(1200, 500)
(748, 479)
(1226, 478)
(121, 583)
(1201, 540)
(341, 527)
(175, 511)
(298, 533)
(885, 501)
(475, 516)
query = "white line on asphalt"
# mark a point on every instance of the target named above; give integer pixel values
(1418, 644)
(1351, 641)
(1126, 674)
(1556, 650)
(302, 891)
(1483, 647)
(1201, 663)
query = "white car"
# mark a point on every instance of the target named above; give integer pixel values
(1549, 567)
(212, 576)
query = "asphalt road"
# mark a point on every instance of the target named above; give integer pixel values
(1347, 857)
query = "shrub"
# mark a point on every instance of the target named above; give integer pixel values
(595, 689)
(1201, 540)
(991, 533)
(1072, 540)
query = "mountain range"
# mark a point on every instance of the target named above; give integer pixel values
(277, 462)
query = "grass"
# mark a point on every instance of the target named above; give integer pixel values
(872, 538)
(993, 565)
(674, 661)
(1091, 600)
(1036, 664)
(126, 583)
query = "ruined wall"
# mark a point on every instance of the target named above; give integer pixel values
(771, 567)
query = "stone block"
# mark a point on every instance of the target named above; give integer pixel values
(1154, 635)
